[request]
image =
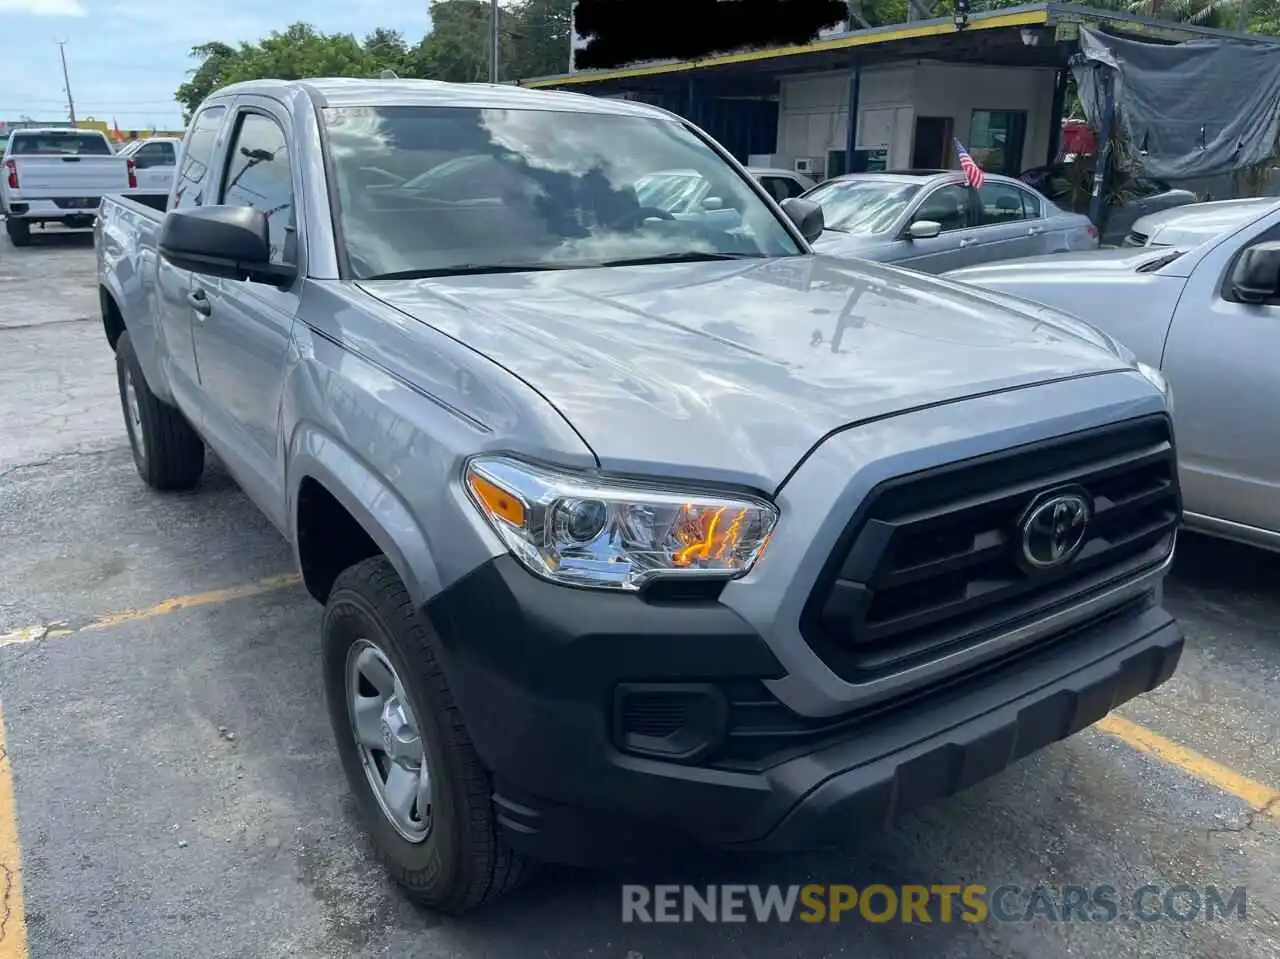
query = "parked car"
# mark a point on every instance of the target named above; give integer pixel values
(782, 184)
(615, 552)
(155, 159)
(58, 175)
(931, 220)
(1207, 317)
(685, 193)
(1070, 184)
(1187, 226)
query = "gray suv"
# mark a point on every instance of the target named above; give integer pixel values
(631, 531)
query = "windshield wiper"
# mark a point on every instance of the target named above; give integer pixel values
(1152, 265)
(690, 256)
(465, 269)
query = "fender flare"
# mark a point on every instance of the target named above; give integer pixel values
(379, 510)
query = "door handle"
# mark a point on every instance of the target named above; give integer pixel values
(199, 302)
(1034, 231)
(966, 241)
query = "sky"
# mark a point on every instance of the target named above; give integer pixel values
(126, 57)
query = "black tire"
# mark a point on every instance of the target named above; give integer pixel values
(463, 861)
(19, 231)
(169, 454)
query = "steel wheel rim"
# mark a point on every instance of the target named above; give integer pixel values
(133, 411)
(389, 741)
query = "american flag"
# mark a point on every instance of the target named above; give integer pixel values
(972, 172)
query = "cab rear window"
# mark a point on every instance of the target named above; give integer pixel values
(58, 144)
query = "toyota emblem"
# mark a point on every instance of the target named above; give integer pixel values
(1054, 528)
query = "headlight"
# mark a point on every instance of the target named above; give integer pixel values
(578, 529)
(1156, 379)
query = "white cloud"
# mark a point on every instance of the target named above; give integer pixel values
(45, 8)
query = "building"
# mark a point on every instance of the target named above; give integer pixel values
(886, 98)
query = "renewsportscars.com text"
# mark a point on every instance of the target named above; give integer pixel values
(972, 903)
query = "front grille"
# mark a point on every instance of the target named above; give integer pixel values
(1135, 239)
(933, 561)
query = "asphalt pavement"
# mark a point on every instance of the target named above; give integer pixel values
(177, 791)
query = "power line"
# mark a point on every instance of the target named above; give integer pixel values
(38, 102)
(177, 108)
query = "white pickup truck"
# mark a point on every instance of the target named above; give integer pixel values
(155, 159)
(59, 175)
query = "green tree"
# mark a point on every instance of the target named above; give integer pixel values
(215, 59)
(457, 48)
(539, 38)
(387, 50)
(300, 51)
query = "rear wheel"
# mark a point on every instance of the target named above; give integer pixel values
(168, 453)
(423, 792)
(19, 231)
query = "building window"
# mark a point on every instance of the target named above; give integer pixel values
(996, 138)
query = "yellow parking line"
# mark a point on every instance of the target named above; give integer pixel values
(13, 919)
(1260, 797)
(30, 634)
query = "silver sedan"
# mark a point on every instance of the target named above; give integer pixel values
(933, 221)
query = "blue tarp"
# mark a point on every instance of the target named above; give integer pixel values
(1198, 109)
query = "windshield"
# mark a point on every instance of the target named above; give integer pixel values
(862, 206)
(129, 148)
(436, 190)
(55, 143)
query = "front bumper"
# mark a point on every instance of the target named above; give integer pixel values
(536, 671)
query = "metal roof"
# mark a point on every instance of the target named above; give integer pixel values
(991, 36)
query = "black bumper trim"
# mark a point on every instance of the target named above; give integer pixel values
(533, 668)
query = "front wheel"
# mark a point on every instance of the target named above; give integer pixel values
(422, 791)
(168, 453)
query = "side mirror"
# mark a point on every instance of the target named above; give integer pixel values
(713, 203)
(806, 215)
(1256, 277)
(924, 230)
(232, 242)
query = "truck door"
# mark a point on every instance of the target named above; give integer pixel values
(175, 313)
(242, 334)
(1220, 360)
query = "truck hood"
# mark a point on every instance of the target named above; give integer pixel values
(1126, 293)
(734, 370)
(1111, 263)
(1189, 225)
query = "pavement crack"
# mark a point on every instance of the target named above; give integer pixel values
(1254, 816)
(53, 460)
(39, 323)
(10, 881)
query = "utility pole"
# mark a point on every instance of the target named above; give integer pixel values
(493, 41)
(66, 77)
(1242, 21)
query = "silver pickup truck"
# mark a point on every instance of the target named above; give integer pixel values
(632, 531)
